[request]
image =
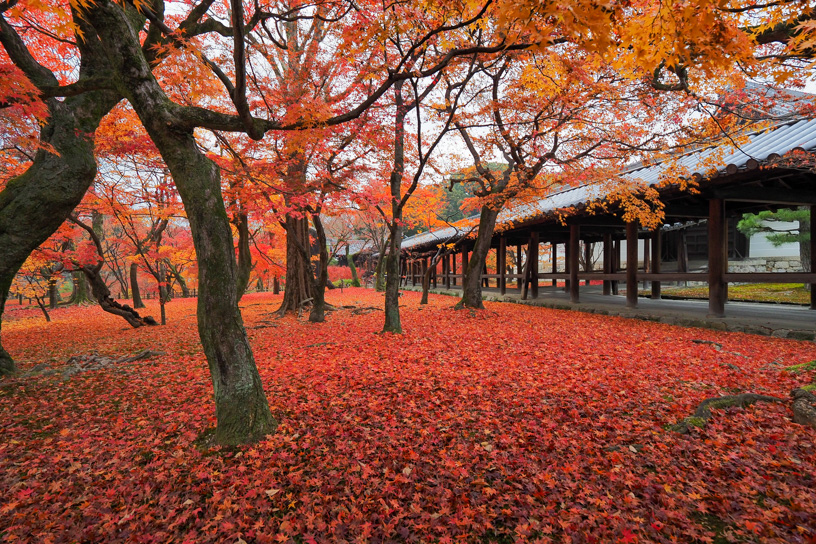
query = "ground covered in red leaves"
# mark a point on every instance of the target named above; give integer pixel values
(515, 424)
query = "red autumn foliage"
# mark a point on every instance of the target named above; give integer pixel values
(513, 424)
(337, 273)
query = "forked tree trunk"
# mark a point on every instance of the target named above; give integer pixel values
(472, 282)
(134, 286)
(298, 270)
(34, 204)
(241, 409)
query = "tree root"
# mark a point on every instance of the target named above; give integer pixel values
(94, 361)
(703, 412)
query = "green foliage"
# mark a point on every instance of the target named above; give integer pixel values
(796, 369)
(763, 222)
(453, 202)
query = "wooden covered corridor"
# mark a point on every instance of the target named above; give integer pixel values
(773, 170)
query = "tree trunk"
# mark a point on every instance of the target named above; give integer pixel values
(80, 288)
(185, 291)
(472, 284)
(355, 279)
(34, 204)
(134, 286)
(108, 303)
(241, 409)
(392, 281)
(298, 270)
(53, 294)
(244, 255)
(318, 313)
(276, 285)
(379, 276)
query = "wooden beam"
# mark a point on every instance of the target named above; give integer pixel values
(554, 253)
(765, 195)
(587, 258)
(616, 264)
(686, 211)
(717, 258)
(631, 264)
(575, 238)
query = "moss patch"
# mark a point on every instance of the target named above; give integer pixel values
(804, 367)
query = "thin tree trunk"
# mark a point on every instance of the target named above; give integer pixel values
(244, 255)
(392, 263)
(185, 290)
(276, 285)
(134, 286)
(44, 310)
(241, 408)
(472, 284)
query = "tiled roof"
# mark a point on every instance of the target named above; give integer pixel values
(728, 157)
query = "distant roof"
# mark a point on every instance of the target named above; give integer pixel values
(728, 157)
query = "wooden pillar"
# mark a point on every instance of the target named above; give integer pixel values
(519, 269)
(501, 264)
(631, 264)
(574, 241)
(587, 259)
(414, 273)
(813, 255)
(607, 263)
(554, 262)
(454, 269)
(567, 262)
(433, 274)
(423, 270)
(616, 263)
(646, 258)
(447, 267)
(534, 264)
(657, 251)
(717, 257)
(464, 263)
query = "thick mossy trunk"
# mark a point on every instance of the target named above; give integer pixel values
(34, 204)
(355, 279)
(392, 283)
(134, 286)
(472, 283)
(241, 409)
(80, 288)
(298, 270)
